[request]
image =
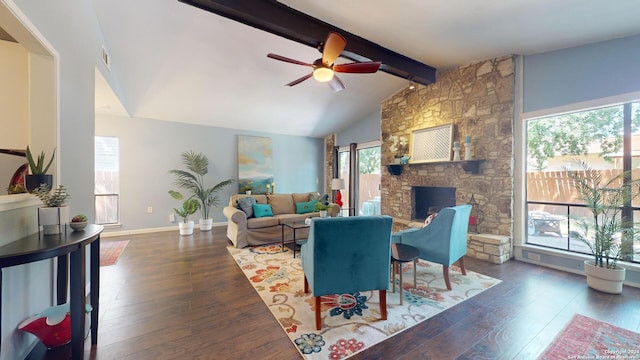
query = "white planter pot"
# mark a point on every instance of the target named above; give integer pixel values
(206, 224)
(186, 228)
(323, 213)
(603, 279)
(53, 219)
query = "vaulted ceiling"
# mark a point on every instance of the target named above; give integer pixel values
(176, 62)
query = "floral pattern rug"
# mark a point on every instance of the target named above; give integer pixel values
(350, 322)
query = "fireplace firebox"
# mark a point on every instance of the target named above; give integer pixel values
(425, 197)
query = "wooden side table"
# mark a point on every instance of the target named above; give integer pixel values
(402, 253)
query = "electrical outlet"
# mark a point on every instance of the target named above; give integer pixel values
(149, 210)
(172, 218)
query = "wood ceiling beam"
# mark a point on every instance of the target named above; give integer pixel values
(281, 20)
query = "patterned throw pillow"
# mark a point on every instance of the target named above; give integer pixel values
(262, 210)
(306, 207)
(314, 196)
(246, 204)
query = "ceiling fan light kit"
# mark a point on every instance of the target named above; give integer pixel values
(324, 68)
(322, 74)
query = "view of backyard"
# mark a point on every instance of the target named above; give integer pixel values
(608, 140)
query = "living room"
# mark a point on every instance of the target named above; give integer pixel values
(145, 181)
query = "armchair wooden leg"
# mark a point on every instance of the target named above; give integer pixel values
(318, 307)
(306, 285)
(383, 304)
(461, 263)
(445, 272)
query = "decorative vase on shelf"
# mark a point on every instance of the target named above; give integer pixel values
(456, 151)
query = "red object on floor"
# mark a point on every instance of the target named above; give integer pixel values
(338, 198)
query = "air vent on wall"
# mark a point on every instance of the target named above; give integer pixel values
(106, 59)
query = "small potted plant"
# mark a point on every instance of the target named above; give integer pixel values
(322, 205)
(189, 207)
(78, 222)
(54, 213)
(38, 171)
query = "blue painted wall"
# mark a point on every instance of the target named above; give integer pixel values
(582, 73)
(150, 148)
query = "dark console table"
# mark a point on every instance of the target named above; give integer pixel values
(67, 245)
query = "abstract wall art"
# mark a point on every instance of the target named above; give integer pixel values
(255, 164)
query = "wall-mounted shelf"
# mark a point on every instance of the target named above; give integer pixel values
(469, 166)
(395, 169)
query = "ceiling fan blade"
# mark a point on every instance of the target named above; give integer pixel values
(335, 84)
(332, 48)
(358, 67)
(298, 81)
(286, 59)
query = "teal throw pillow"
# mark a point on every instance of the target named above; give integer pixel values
(262, 210)
(306, 207)
(246, 204)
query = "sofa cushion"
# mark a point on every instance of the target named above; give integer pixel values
(260, 199)
(281, 203)
(262, 210)
(298, 198)
(306, 207)
(263, 222)
(246, 204)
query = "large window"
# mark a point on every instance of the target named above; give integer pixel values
(107, 180)
(608, 140)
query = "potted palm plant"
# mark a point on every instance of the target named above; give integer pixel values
(38, 171)
(605, 231)
(189, 207)
(192, 179)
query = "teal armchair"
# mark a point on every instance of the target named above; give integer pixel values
(444, 241)
(346, 255)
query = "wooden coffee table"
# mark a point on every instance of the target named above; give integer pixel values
(293, 226)
(402, 253)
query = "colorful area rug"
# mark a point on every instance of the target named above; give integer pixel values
(110, 251)
(587, 338)
(350, 322)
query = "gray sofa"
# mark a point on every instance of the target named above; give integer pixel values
(244, 231)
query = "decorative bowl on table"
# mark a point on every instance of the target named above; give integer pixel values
(78, 225)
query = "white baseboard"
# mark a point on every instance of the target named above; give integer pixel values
(148, 230)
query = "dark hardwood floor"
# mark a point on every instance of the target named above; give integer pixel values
(173, 297)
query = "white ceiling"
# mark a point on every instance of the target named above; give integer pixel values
(175, 62)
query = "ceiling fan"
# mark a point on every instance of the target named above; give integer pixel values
(324, 68)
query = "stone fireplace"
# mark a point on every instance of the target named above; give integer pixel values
(478, 99)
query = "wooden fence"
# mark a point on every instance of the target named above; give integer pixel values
(556, 186)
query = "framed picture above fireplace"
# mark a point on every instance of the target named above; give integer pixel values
(431, 144)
